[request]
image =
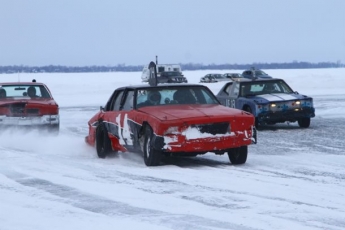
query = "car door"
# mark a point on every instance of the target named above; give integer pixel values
(229, 96)
(117, 117)
(112, 114)
(124, 119)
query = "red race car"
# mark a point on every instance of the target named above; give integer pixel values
(170, 120)
(28, 104)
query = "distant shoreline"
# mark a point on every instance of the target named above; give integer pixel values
(190, 66)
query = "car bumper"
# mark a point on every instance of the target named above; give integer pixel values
(44, 120)
(287, 115)
(177, 144)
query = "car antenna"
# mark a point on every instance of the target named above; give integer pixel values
(156, 60)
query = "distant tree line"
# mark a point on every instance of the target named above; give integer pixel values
(189, 66)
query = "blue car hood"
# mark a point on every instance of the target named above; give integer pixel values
(277, 97)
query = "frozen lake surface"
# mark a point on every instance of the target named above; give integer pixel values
(293, 179)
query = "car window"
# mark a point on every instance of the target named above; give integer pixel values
(44, 92)
(256, 88)
(236, 89)
(117, 101)
(266, 87)
(174, 95)
(228, 88)
(38, 91)
(284, 87)
(128, 104)
(260, 72)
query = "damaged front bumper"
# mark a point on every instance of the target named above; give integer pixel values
(287, 115)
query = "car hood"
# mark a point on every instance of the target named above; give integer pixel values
(187, 112)
(277, 97)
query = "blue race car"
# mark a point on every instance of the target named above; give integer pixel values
(271, 101)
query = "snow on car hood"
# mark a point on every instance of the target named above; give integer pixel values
(277, 97)
(190, 111)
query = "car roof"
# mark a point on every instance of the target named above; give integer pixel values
(255, 80)
(21, 83)
(146, 86)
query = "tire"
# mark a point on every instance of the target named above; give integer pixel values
(103, 144)
(304, 122)
(238, 155)
(152, 157)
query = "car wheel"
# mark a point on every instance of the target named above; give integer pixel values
(304, 122)
(152, 157)
(103, 145)
(238, 155)
(249, 110)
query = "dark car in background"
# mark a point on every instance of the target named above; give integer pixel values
(231, 76)
(171, 77)
(213, 77)
(255, 73)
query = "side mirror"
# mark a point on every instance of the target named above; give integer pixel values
(101, 108)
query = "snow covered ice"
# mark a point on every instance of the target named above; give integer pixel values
(294, 178)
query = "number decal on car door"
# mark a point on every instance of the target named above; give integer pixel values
(230, 103)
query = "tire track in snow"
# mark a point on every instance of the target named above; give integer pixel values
(109, 207)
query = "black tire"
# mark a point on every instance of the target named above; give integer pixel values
(103, 144)
(238, 155)
(249, 110)
(152, 157)
(304, 122)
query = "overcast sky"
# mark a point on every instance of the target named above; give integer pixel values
(132, 32)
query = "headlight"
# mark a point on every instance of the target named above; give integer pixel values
(296, 103)
(273, 105)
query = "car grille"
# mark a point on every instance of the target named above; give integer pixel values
(214, 128)
(32, 112)
(18, 110)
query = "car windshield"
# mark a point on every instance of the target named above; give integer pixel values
(260, 72)
(217, 75)
(232, 75)
(174, 96)
(15, 91)
(264, 87)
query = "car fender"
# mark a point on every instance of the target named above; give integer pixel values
(243, 103)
